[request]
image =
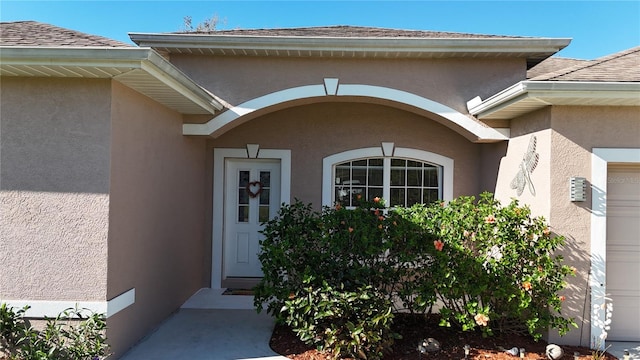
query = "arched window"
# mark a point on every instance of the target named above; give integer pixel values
(409, 181)
(401, 176)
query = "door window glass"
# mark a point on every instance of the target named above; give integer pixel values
(265, 199)
(243, 196)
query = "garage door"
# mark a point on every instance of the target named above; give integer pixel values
(623, 251)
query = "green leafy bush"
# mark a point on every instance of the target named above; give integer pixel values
(485, 266)
(347, 323)
(338, 246)
(71, 335)
(324, 273)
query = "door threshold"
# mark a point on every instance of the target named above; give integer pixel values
(240, 283)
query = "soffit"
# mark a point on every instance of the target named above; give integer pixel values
(140, 69)
(528, 96)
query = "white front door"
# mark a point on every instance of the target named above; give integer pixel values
(252, 197)
(623, 251)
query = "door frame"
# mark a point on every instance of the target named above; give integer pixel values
(220, 155)
(600, 159)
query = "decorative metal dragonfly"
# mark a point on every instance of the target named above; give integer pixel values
(527, 165)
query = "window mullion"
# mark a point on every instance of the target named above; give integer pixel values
(386, 180)
(440, 184)
(350, 184)
(406, 182)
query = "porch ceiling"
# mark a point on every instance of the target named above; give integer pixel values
(140, 69)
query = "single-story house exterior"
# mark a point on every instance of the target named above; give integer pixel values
(133, 176)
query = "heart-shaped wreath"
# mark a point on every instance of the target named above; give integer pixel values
(254, 188)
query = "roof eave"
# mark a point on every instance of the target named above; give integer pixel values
(528, 47)
(527, 96)
(163, 70)
(120, 64)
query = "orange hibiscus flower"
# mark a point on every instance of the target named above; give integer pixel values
(438, 244)
(481, 319)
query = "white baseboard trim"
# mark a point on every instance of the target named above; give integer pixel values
(121, 302)
(51, 308)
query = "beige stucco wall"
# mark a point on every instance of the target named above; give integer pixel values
(448, 81)
(566, 136)
(157, 214)
(491, 155)
(54, 184)
(523, 129)
(576, 131)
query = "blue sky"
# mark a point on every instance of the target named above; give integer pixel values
(597, 28)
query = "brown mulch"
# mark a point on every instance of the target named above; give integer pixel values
(414, 329)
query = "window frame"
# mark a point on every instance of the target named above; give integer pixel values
(386, 153)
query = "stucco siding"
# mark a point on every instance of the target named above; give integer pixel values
(576, 131)
(54, 184)
(156, 233)
(565, 139)
(523, 130)
(490, 157)
(529, 133)
(451, 82)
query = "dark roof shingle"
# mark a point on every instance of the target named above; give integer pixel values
(623, 66)
(553, 64)
(344, 31)
(33, 33)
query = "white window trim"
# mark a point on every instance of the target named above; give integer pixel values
(329, 162)
(219, 156)
(600, 159)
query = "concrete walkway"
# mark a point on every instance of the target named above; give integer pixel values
(210, 327)
(617, 349)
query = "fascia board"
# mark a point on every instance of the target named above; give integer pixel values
(373, 44)
(164, 71)
(512, 92)
(86, 56)
(584, 88)
(546, 91)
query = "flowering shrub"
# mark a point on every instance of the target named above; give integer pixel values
(61, 339)
(494, 267)
(488, 267)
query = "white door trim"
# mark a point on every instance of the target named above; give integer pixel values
(219, 155)
(600, 158)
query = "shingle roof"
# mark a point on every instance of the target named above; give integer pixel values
(349, 31)
(553, 64)
(623, 66)
(33, 33)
